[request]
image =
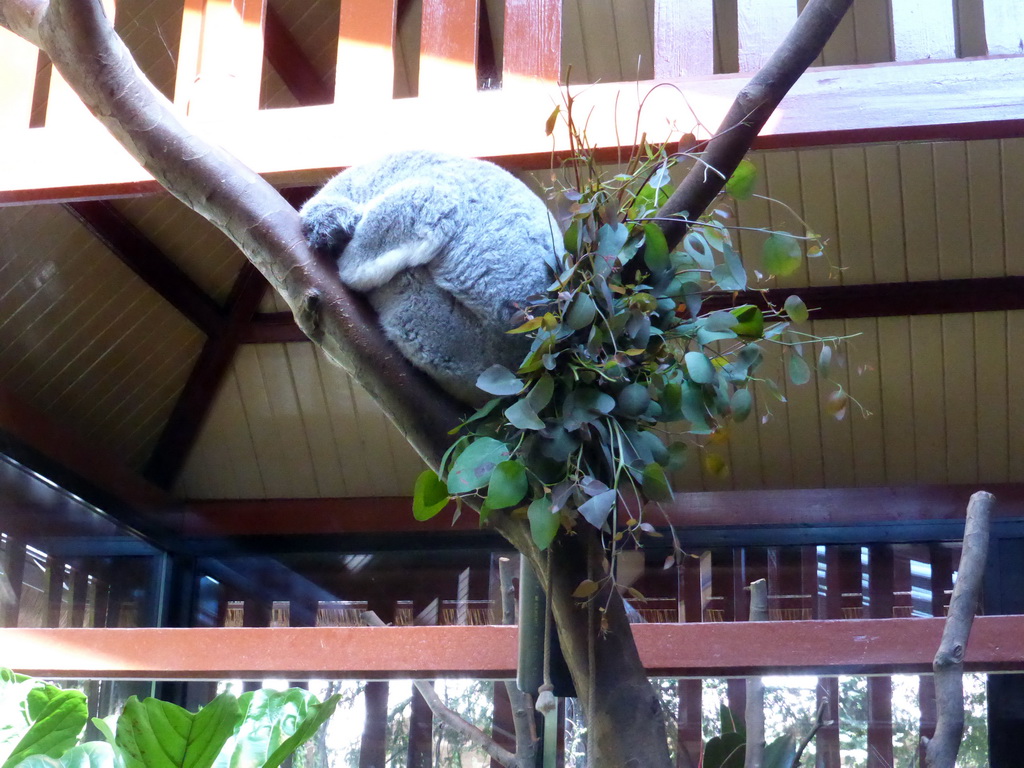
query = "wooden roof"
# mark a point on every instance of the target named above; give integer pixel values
(137, 328)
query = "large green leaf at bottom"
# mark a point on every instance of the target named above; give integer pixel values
(92, 754)
(157, 734)
(57, 718)
(725, 751)
(274, 725)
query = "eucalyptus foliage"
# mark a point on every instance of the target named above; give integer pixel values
(625, 345)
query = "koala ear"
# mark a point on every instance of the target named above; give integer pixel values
(329, 221)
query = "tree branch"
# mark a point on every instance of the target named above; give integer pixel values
(81, 42)
(453, 719)
(754, 715)
(949, 660)
(522, 709)
(753, 106)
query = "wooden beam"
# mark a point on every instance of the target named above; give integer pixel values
(291, 63)
(852, 646)
(827, 302)
(140, 255)
(196, 399)
(805, 508)
(964, 99)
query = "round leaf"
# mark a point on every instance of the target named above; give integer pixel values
(655, 483)
(522, 416)
(473, 468)
(507, 485)
(799, 371)
(429, 495)
(751, 321)
(740, 403)
(741, 184)
(655, 248)
(597, 509)
(796, 309)
(699, 367)
(544, 522)
(581, 312)
(499, 380)
(781, 254)
(586, 588)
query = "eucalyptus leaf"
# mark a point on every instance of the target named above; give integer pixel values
(749, 321)
(429, 495)
(544, 522)
(507, 486)
(741, 184)
(581, 312)
(699, 367)
(782, 254)
(796, 309)
(655, 249)
(596, 509)
(697, 248)
(472, 469)
(741, 404)
(799, 371)
(521, 415)
(825, 360)
(499, 380)
(540, 394)
(655, 483)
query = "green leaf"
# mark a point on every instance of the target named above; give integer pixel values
(699, 367)
(429, 495)
(740, 404)
(695, 246)
(158, 734)
(655, 249)
(597, 509)
(825, 360)
(274, 725)
(741, 184)
(751, 322)
(780, 753)
(541, 393)
(782, 254)
(92, 754)
(58, 718)
(610, 240)
(549, 124)
(581, 312)
(507, 486)
(522, 416)
(725, 751)
(799, 371)
(499, 380)
(544, 523)
(472, 470)
(796, 309)
(585, 589)
(655, 483)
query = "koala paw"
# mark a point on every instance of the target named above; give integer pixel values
(329, 225)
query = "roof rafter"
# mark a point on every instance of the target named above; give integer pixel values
(291, 63)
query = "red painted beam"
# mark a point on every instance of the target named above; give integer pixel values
(856, 646)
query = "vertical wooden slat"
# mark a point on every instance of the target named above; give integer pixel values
(220, 59)
(366, 57)
(1004, 26)
(448, 47)
(533, 42)
(684, 38)
(762, 24)
(923, 29)
(929, 393)
(18, 59)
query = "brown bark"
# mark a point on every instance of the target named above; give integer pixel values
(949, 660)
(624, 715)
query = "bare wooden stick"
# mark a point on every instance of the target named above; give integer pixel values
(949, 660)
(754, 715)
(452, 719)
(523, 719)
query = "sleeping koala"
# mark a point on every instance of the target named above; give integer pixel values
(446, 249)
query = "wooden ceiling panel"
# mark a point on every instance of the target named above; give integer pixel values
(198, 248)
(82, 337)
(152, 29)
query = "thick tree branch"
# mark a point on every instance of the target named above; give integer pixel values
(754, 715)
(522, 709)
(749, 112)
(949, 660)
(83, 46)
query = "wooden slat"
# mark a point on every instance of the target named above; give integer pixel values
(448, 48)
(684, 38)
(973, 99)
(533, 42)
(290, 62)
(226, 39)
(18, 59)
(762, 26)
(1004, 26)
(366, 60)
(923, 29)
(854, 646)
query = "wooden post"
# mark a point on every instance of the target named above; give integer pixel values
(448, 48)
(366, 50)
(220, 56)
(880, 605)
(684, 38)
(533, 42)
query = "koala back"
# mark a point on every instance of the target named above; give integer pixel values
(446, 249)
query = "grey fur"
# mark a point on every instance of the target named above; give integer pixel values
(446, 249)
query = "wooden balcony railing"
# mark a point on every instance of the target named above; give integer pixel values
(923, 91)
